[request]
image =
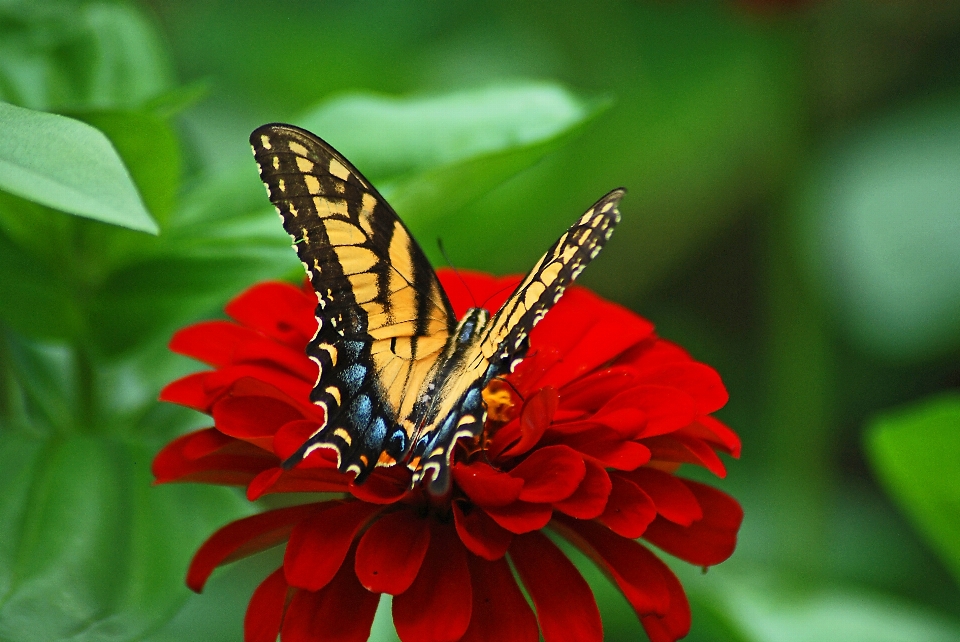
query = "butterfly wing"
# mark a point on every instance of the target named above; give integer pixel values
(507, 336)
(382, 315)
(504, 341)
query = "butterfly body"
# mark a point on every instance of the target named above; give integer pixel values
(400, 379)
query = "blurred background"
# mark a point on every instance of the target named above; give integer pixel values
(793, 219)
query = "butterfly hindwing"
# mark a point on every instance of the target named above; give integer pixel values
(383, 317)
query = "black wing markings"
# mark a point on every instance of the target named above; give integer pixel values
(379, 303)
(337, 218)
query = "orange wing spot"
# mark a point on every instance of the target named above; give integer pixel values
(386, 460)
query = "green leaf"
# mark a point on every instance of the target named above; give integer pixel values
(34, 300)
(68, 165)
(766, 611)
(129, 63)
(92, 552)
(66, 55)
(150, 150)
(432, 155)
(881, 226)
(159, 293)
(388, 136)
(915, 451)
(216, 615)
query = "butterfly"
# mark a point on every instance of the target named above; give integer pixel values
(400, 378)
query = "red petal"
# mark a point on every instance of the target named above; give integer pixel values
(313, 480)
(674, 501)
(479, 533)
(279, 310)
(500, 611)
(629, 510)
(637, 572)
(390, 553)
(263, 381)
(665, 409)
(607, 447)
(707, 541)
(698, 380)
(245, 537)
(565, 606)
(712, 430)
(342, 611)
(221, 343)
(200, 444)
(678, 448)
(437, 606)
(265, 611)
(235, 463)
(611, 330)
(550, 474)
(291, 435)
(485, 485)
(589, 393)
(253, 419)
(535, 418)
(319, 544)
(676, 623)
(520, 517)
(189, 391)
(383, 486)
(590, 498)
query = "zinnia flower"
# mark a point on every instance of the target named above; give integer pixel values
(581, 442)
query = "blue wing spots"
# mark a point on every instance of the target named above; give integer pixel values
(376, 433)
(396, 445)
(352, 377)
(353, 349)
(360, 410)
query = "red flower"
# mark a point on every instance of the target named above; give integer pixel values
(583, 441)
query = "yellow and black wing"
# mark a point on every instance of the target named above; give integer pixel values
(506, 338)
(383, 316)
(502, 342)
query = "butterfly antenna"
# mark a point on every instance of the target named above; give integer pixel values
(487, 300)
(450, 264)
(512, 387)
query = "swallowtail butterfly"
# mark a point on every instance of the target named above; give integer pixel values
(400, 377)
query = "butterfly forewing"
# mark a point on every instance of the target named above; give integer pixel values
(504, 340)
(383, 317)
(507, 336)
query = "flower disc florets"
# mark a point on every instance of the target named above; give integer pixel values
(582, 441)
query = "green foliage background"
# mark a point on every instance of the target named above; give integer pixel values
(793, 219)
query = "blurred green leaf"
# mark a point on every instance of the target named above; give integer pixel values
(90, 550)
(33, 300)
(73, 55)
(767, 611)
(915, 452)
(129, 62)
(46, 382)
(388, 137)
(149, 148)
(216, 615)
(881, 219)
(68, 165)
(431, 155)
(155, 295)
